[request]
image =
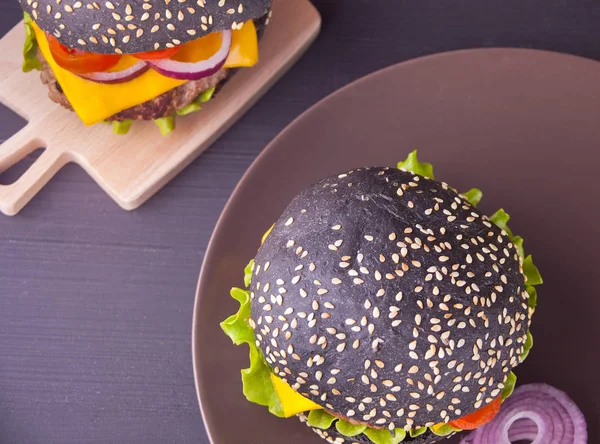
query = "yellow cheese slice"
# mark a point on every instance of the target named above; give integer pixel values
(95, 102)
(244, 47)
(292, 402)
(242, 54)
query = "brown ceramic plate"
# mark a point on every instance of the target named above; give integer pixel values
(522, 125)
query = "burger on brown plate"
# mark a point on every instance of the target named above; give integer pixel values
(125, 60)
(384, 307)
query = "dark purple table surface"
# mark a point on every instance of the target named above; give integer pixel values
(96, 303)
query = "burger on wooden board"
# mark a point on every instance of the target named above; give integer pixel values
(384, 307)
(126, 60)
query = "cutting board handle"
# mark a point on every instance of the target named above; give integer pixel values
(15, 196)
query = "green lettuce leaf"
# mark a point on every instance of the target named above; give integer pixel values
(236, 326)
(532, 296)
(191, 108)
(501, 218)
(349, 430)
(121, 128)
(531, 271)
(248, 273)
(509, 386)
(196, 105)
(166, 125)
(518, 242)
(320, 419)
(413, 165)
(30, 60)
(258, 387)
(207, 95)
(527, 346)
(417, 432)
(256, 379)
(444, 430)
(473, 196)
(385, 436)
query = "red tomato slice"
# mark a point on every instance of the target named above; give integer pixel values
(479, 417)
(78, 61)
(157, 55)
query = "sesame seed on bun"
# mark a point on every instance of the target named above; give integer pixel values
(134, 26)
(389, 300)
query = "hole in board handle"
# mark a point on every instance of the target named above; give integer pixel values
(15, 171)
(10, 123)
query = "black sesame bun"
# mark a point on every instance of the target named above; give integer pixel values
(134, 26)
(389, 300)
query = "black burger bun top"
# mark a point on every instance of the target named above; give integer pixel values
(134, 26)
(388, 299)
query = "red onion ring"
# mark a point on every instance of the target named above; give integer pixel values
(522, 430)
(538, 413)
(198, 70)
(117, 76)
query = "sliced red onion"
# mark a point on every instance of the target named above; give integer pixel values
(523, 429)
(198, 70)
(118, 76)
(538, 413)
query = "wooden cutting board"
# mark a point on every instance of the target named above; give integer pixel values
(133, 167)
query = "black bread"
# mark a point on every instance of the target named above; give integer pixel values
(387, 298)
(134, 26)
